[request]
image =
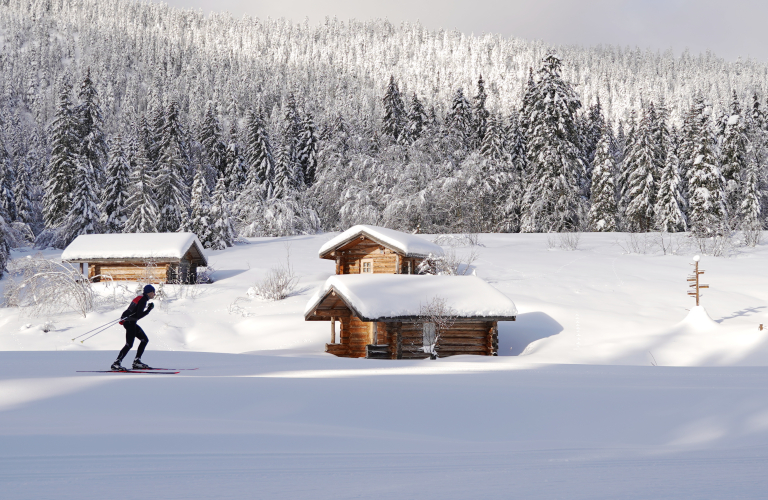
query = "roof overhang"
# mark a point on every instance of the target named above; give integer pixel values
(333, 304)
(355, 239)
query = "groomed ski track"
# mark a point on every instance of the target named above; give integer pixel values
(263, 425)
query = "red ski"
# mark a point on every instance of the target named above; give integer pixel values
(151, 371)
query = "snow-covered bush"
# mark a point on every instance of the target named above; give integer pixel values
(448, 264)
(42, 287)
(279, 282)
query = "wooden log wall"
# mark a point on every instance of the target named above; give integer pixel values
(405, 339)
(130, 272)
(479, 338)
(355, 334)
(384, 259)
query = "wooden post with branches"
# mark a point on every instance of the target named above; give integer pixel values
(694, 281)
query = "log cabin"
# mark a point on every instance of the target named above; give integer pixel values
(377, 250)
(381, 316)
(151, 257)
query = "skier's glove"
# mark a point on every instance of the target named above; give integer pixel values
(150, 306)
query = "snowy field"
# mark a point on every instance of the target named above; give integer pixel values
(605, 387)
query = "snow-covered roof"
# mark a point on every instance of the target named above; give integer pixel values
(131, 246)
(390, 296)
(409, 244)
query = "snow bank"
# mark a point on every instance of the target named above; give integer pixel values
(410, 244)
(130, 246)
(401, 295)
(698, 320)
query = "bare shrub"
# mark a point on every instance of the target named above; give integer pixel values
(435, 317)
(670, 243)
(279, 282)
(564, 241)
(718, 245)
(752, 236)
(639, 243)
(569, 241)
(236, 307)
(42, 287)
(551, 241)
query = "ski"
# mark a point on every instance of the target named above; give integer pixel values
(171, 369)
(151, 372)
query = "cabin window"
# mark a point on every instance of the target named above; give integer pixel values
(428, 334)
(366, 266)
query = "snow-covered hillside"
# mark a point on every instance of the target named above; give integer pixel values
(607, 387)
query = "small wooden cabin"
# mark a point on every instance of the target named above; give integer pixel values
(377, 250)
(379, 316)
(153, 257)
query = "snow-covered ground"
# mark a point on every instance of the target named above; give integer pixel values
(607, 386)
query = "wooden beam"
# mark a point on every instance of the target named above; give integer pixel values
(336, 313)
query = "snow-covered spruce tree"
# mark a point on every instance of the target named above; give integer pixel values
(706, 198)
(393, 123)
(114, 202)
(142, 207)
(686, 151)
(236, 167)
(258, 154)
(84, 215)
(5, 247)
(592, 131)
(641, 172)
(552, 201)
(285, 174)
(61, 168)
(515, 152)
(669, 216)
(604, 210)
(7, 198)
(480, 114)
(306, 153)
(171, 191)
(21, 191)
(222, 232)
(750, 210)
(214, 151)
(200, 208)
(733, 158)
(459, 119)
(91, 140)
(417, 120)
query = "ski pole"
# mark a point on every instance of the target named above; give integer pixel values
(98, 327)
(102, 330)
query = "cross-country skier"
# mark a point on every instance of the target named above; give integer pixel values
(133, 331)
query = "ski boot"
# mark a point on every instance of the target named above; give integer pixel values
(138, 365)
(117, 367)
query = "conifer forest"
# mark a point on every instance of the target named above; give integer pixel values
(118, 116)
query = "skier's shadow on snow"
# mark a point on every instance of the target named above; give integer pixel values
(515, 336)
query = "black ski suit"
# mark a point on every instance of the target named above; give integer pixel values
(133, 331)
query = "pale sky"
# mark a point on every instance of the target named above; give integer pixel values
(730, 28)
